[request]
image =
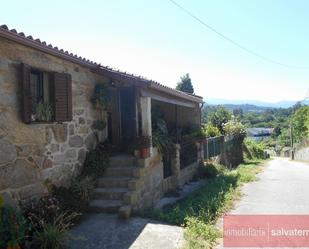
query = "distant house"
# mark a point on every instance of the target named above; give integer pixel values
(259, 133)
(37, 79)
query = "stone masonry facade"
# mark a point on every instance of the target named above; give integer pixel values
(30, 154)
(151, 184)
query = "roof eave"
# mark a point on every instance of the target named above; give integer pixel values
(176, 93)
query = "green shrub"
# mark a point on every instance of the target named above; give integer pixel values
(13, 227)
(76, 197)
(50, 235)
(199, 234)
(207, 170)
(255, 149)
(44, 210)
(162, 142)
(68, 200)
(95, 163)
(209, 130)
(83, 187)
(236, 129)
(49, 222)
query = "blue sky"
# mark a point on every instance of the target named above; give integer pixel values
(157, 40)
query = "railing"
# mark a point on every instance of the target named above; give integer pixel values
(212, 147)
(229, 143)
(167, 164)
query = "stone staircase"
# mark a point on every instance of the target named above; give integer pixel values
(116, 190)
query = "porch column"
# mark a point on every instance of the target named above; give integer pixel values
(146, 117)
(176, 165)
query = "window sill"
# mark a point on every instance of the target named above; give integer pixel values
(42, 122)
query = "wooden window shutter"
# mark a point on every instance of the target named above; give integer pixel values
(63, 97)
(26, 93)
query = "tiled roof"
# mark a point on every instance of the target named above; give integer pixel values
(20, 37)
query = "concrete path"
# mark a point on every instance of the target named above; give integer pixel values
(103, 231)
(282, 188)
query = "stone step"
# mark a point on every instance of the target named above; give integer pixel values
(113, 182)
(125, 212)
(110, 193)
(119, 171)
(105, 206)
(122, 161)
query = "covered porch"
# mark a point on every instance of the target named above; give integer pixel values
(181, 116)
(140, 110)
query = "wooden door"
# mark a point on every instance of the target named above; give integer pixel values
(128, 115)
(113, 119)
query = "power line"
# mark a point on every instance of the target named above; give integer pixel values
(232, 41)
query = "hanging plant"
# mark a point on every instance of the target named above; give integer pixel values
(99, 125)
(101, 96)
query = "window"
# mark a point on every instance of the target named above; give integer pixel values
(47, 96)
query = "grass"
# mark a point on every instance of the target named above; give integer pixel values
(199, 212)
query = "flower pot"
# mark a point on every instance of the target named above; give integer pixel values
(144, 152)
(13, 247)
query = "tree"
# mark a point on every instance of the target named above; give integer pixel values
(236, 129)
(220, 118)
(238, 112)
(299, 122)
(185, 85)
(209, 130)
(307, 125)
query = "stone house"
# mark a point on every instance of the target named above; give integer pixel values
(34, 74)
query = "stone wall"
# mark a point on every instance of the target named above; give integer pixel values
(152, 185)
(149, 191)
(302, 154)
(33, 153)
(187, 173)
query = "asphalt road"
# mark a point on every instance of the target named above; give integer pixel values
(282, 188)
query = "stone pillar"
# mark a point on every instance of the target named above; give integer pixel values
(176, 165)
(146, 117)
(200, 151)
(223, 159)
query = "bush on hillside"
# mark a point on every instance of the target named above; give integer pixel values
(255, 149)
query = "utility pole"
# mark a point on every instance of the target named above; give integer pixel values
(292, 141)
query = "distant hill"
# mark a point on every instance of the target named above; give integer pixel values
(246, 108)
(281, 104)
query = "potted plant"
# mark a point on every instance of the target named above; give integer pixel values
(43, 112)
(143, 144)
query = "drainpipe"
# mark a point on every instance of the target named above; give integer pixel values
(201, 107)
